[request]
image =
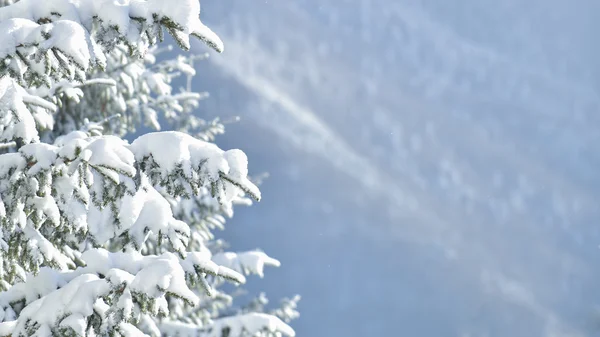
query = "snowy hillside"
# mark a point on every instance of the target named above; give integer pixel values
(434, 167)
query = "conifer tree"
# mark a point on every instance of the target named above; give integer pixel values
(100, 236)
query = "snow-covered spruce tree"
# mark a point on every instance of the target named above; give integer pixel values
(100, 236)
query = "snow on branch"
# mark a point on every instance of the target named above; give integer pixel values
(21, 113)
(57, 39)
(129, 19)
(137, 89)
(103, 189)
(252, 262)
(100, 236)
(37, 53)
(112, 289)
(250, 324)
(187, 164)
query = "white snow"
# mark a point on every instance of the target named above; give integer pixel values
(201, 261)
(44, 156)
(46, 205)
(148, 213)
(111, 151)
(75, 298)
(36, 100)
(111, 12)
(67, 36)
(52, 294)
(186, 15)
(16, 32)
(247, 262)
(164, 274)
(44, 250)
(208, 36)
(6, 328)
(10, 161)
(171, 148)
(15, 119)
(129, 330)
(2, 209)
(180, 329)
(251, 323)
(88, 191)
(143, 214)
(77, 322)
(71, 39)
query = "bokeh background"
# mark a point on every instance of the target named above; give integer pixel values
(434, 165)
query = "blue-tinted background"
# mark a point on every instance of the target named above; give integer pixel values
(434, 165)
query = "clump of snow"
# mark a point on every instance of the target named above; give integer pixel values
(75, 298)
(16, 31)
(36, 100)
(170, 149)
(129, 330)
(238, 173)
(247, 262)
(84, 167)
(180, 329)
(196, 159)
(67, 36)
(6, 328)
(238, 164)
(200, 261)
(251, 323)
(44, 156)
(9, 161)
(15, 119)
(110, 12)
(148, 213)
(208, 36)
(185, 15)
(111, 151)
(70, 38)
(69, 297)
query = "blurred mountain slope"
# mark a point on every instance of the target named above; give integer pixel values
(434, 163)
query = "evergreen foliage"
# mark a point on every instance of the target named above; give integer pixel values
(100, 236)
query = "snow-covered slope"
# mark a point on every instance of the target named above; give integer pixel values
(434, 166)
